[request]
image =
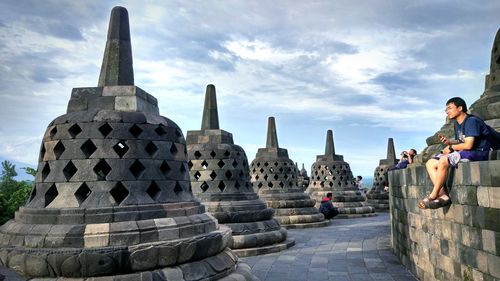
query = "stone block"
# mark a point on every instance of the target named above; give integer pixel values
(475, 172)
(144, 258)
(95, 264)
(493, 265)
(173, 273)
(107, 116)
(37, 265)
(136, 118)
(96, 235)
(482, 261)
(101, 103)
(167, 255)
(494, 196)
(483, 197)
(489, 241)
(491, 219)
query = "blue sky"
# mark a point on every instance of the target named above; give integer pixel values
(368, 70)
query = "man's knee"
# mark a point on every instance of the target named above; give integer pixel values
(443, 162)
(432, 163)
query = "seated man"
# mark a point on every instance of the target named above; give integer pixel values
(406, 158)
(327, 208)
(471, 144)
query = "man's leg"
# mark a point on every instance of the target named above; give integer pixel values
(440, 177)
(432, 167)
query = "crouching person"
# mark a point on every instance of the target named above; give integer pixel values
(327, 208)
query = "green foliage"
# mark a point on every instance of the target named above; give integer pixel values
(30, 171)
(13, 194)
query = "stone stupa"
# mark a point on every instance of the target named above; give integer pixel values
(112, 197)
(220, 179)
(330, 173)
(302, 177)
(274, 177)
(377, 197)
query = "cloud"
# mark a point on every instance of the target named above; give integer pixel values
(368, 71)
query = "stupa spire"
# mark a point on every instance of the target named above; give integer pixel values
(329, 147)
(117, 66)
(210, 120)
(272, 137)
(391, 153)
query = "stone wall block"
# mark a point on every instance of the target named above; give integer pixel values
(478, 217)
(483, 197)
(494, 196)
(491, 219)
(493, 265)
(475, 172)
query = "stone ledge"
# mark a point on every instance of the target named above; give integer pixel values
(266, 249)
(458, 242)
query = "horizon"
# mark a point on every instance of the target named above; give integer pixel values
(369, 73)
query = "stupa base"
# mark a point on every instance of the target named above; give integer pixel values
(380, 205)
(307, 225)
(265, 249)
(224, 266)
(352, 216)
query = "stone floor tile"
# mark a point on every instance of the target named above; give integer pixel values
(350, 249)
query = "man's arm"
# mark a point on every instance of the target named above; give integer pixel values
(466, 145)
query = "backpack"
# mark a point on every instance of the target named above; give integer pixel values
(492, 136)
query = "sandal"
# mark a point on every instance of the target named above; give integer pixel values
(425, 203)
(439, 203)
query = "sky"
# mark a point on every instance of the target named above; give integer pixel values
(368, 70)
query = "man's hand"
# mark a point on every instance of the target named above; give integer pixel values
(446, 150)
(443, 139)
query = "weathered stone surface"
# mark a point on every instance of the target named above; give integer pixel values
(330, 173)
(220, 178)
(112, 198)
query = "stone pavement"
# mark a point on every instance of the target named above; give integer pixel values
(349, 250)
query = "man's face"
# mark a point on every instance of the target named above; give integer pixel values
(452, 110)
(410, 152)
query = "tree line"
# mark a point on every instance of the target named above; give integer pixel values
(13, 193)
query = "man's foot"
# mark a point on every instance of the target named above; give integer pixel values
(424, 203)
(441, 201)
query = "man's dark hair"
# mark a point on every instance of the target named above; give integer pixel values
(329, 195)
(360, 177)
(458, 102)
(414, 151)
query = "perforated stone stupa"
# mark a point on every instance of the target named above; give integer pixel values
(274, 177)
(302, 177)
(330, 173)
(488, 105)
(377, 197)
(220, 179)
(112, 197)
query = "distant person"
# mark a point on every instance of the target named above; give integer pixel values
(473, 140)
(359, 184)
(405, 159)
(327, 208)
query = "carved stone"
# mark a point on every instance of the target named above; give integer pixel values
(274, 177)
(377, 197)
(112, 197)
(219, 176)
(330, 173)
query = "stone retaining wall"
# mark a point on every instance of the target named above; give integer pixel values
(458, 242)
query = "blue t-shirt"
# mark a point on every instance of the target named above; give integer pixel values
(472, 126)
